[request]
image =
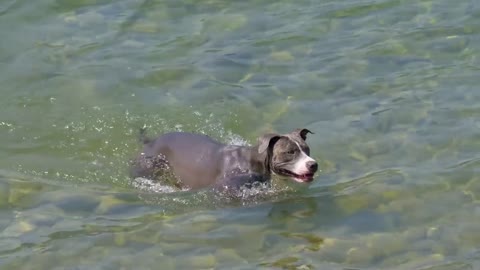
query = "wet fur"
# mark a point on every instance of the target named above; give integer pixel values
(192, 161)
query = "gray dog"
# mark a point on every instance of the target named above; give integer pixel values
(197, 161)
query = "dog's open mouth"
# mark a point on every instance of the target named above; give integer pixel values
(301, 178)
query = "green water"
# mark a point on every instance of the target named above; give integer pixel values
(390, 88)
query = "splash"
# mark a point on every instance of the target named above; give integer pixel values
(210, 125)
(145, 184)
(97, 144)
(97, 148)
(254, 194)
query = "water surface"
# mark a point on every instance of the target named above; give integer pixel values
(388, 86)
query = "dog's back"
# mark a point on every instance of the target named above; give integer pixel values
(193, 158)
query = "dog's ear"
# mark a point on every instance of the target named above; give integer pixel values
(302, 133)
(266, 141)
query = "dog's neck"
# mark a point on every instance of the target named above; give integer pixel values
(260, 162)
(252, 161)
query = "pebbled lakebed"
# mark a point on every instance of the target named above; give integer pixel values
(390, 88)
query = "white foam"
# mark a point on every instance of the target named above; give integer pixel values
(152, 186)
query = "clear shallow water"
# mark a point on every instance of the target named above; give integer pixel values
(388, 87)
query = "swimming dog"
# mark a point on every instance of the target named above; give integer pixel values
(197, 161)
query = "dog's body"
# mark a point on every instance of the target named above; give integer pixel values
(197, 161)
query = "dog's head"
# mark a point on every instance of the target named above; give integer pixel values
(288, 155)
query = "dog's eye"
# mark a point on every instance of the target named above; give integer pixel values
(291, 152)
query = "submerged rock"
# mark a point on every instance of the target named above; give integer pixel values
(282, 56)
(228, 257)
(4, 194)
(18, 228)
(75, 203)
(20, 190)
(108, 203)
(359, 256)
(206, 261)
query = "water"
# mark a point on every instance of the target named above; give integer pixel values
(389, 87)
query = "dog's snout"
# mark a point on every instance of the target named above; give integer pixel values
(312, 166)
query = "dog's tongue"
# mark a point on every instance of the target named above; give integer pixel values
(306, 176)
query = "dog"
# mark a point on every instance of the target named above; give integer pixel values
(194, 161)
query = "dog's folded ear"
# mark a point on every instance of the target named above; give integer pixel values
(302, 132)
(266, 141)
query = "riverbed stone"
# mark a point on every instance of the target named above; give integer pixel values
(282, 56)
(382, 244)
(414, 234)
(76, 203)
(120, 239)
(417, 261)
(108, 203)
(291, 262)
(19, 190)
(176, 248)
(335, 250)
(9, 243)
(225, 22)
(4, 194)
(18, 228)
(359, 256)
(472, 188)
(470, 233)
(353, 203)
(229, 256)
(205, 261)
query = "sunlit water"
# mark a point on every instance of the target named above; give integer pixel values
(390, 89)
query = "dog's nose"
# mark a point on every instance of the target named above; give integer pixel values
(312, 166)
